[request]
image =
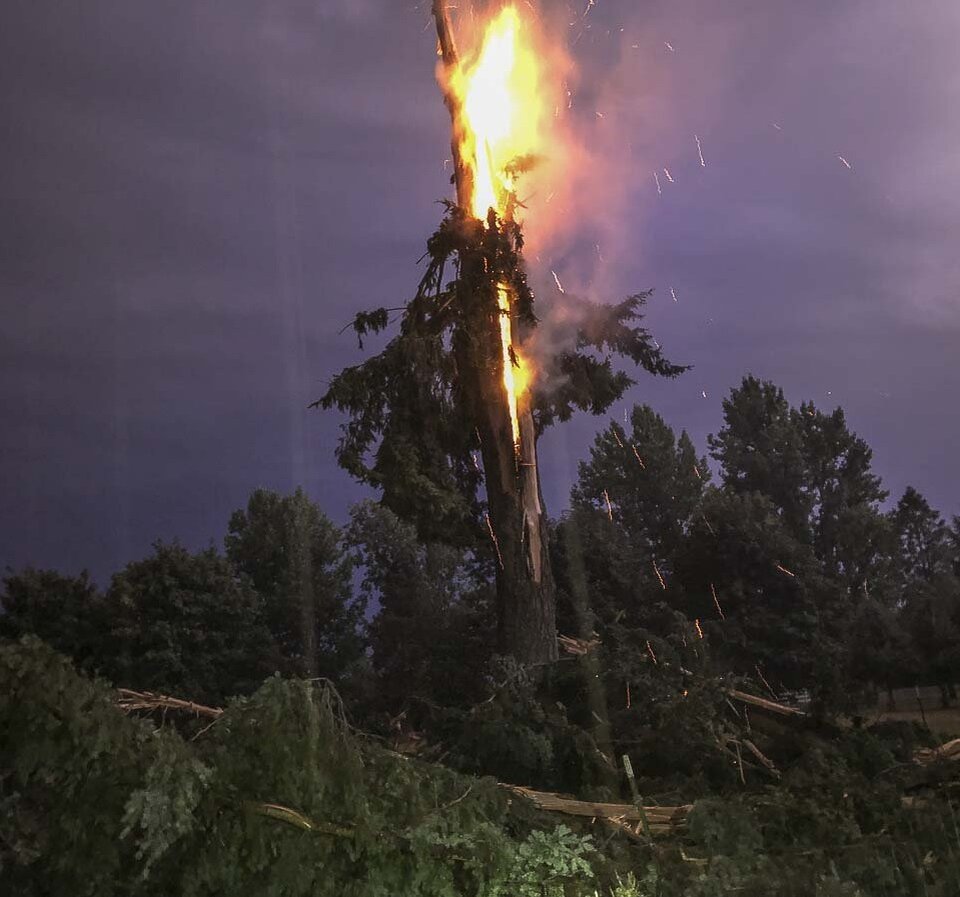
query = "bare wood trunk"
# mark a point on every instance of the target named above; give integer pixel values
(526, 612)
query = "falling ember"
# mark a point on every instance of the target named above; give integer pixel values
(696, 471)
(628, 695)
(650, 652)
(493, 538)
(666, 171)
(606, 498)
(673, 294)
(700, 151)
(556, 280)
(636, 454)
(785, 570)
(616, 437)
(669, 46)
(845, 162)
(716, 601)
(699, 630)
(656, 177)
(656, 570)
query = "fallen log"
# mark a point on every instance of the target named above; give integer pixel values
(945, 752)
(661, 820)
(130, 700)
(764, 704)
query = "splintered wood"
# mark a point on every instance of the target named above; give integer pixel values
(662, 820)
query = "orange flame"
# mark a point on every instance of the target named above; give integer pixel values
(501, 115)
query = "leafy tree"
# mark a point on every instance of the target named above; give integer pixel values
(67, 612)
(187, 624)
(291, 552)
(433, 630)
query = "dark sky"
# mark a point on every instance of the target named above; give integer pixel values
(197, 196)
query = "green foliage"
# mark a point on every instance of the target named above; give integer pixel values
(292, 554)
(66, 612)
(652, 480)
(187, 623)
(433, 631)
(69, 763)
(412, 421)
(277, 797)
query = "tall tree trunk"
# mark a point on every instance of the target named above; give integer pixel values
(526, 611)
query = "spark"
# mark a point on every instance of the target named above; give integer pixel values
(552, 194)
(707, 522)
(700, 151)
(699, 630)
(673, 294)
(599, 253)
(776, 126)
(493, 537)
(650, 652)
(606, 498)
(616, 437)
(785, 570)
(557, 281)
(598, 114)
(628, 695)
(634, 46)
(636, 454)
(666, 171)
(845, 162)
(669, 46)
(696, 470)
(656, 570)
(590, 5)
(657, 179)
(703, 392)
(716, 601)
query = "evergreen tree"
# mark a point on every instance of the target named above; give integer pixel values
(760, 449)
(651, 480)
(292, 554)
(757, 589)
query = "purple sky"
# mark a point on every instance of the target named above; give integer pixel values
(197, 196)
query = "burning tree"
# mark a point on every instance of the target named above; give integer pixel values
(457, 379)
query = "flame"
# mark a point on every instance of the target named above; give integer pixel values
(501, 110)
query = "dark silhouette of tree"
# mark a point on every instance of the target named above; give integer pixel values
(187, 624)
(291, 553)
(67, 612)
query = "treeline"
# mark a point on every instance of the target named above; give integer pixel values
(786, 568)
